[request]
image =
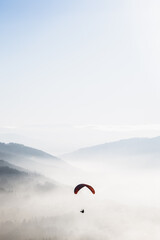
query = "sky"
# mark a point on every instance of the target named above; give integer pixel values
(78, 73)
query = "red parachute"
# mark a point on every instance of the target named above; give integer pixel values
(79, 186)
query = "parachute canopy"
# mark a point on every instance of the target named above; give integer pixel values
(78, 187)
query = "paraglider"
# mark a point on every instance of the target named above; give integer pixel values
(79, 186)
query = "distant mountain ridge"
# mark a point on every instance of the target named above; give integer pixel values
(34, 160)
(9, 171)
(13, 178)
(19, 149)
(125, 146)
(27, 157)
(5, 164)
(149, 148)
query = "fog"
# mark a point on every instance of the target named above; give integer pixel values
(126, 205)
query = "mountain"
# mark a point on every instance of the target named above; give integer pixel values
(11, 149)
(24, 156)
(10, 169)
(16, 179)
(7, 164)
(36, 161)
(142, 151)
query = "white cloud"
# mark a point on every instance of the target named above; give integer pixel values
(120, 128)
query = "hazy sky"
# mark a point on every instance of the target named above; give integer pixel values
(77, 73)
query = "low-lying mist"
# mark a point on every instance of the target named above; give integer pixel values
(126, 205)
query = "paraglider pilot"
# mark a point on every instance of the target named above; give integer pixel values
(79, 186)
